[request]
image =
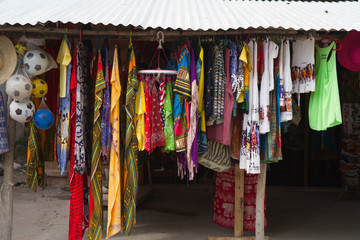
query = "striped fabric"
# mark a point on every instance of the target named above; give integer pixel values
(115, 177)
(35, 164)
(273, 139)
(219, 83)
(182, 82)
(131, 152)
(96, 224)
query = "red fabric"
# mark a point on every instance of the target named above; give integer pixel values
(260, 60)
(53, 82)
(224, 198)
(157, 131)
(147, 137)
(76, 217)
(250, 187)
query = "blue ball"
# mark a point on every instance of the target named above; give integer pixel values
(43, 119)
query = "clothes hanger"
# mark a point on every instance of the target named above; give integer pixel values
(247, 38)
(326, 40)
(160, 38)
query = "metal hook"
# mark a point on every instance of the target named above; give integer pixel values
(160, 39)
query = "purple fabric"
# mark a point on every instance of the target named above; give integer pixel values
(193, 78)
(105, 120)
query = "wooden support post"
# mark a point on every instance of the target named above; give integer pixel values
(7, 189)
(239, 202)
(260, 200)
(306, 141)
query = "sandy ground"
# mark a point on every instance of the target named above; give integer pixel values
(185, 212)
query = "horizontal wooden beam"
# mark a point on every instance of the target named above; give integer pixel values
(58, 33)
(235, 238)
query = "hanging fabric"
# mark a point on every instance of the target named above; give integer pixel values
(219, 85)
(82, 90)
(208, 82)
(303, 74)
(182, 92)
(221, 133)
(273, 138)
(250, 151)
(281, 75)
(286, 110)
(96, 223)
(105, 121)
(192, 133)
(162, 99)
(245, 70)
(265, 91)
(4, 138)
(63, 134)
(324, 104)
(76, 217)
(140, 111)
(201, 138)
(131, 152)
(169, 121)
(114, 224)
(35, 164)
(157, 138)
(147, 137)
(237, 79)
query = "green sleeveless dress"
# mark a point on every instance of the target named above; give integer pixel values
(324, 105)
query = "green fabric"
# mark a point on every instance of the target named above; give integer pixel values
(169, 121)
(324, 105)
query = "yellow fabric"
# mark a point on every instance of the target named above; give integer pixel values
(245, 58)
(140, 109)
(200, 107)
(63, 58)
(114, 195)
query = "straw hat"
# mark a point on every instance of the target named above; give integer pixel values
(349, 54)
(8, 59)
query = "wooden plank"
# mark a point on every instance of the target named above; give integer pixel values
(239, 202)
(235, 238)
(7, 187)
(260, 200)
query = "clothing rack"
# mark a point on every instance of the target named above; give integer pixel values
(239, 207)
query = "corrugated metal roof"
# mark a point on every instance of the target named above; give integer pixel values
(186, 14)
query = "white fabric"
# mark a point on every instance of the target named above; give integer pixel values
(250, 159)
(303, 55)
(264, 92)
(273, 53)
(287, 114)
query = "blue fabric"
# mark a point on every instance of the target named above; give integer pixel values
(63, 143)
(4, 138)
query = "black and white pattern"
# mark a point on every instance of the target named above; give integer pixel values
(81, 133)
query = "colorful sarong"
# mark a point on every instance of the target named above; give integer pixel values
(131, 151)
(96, 219)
